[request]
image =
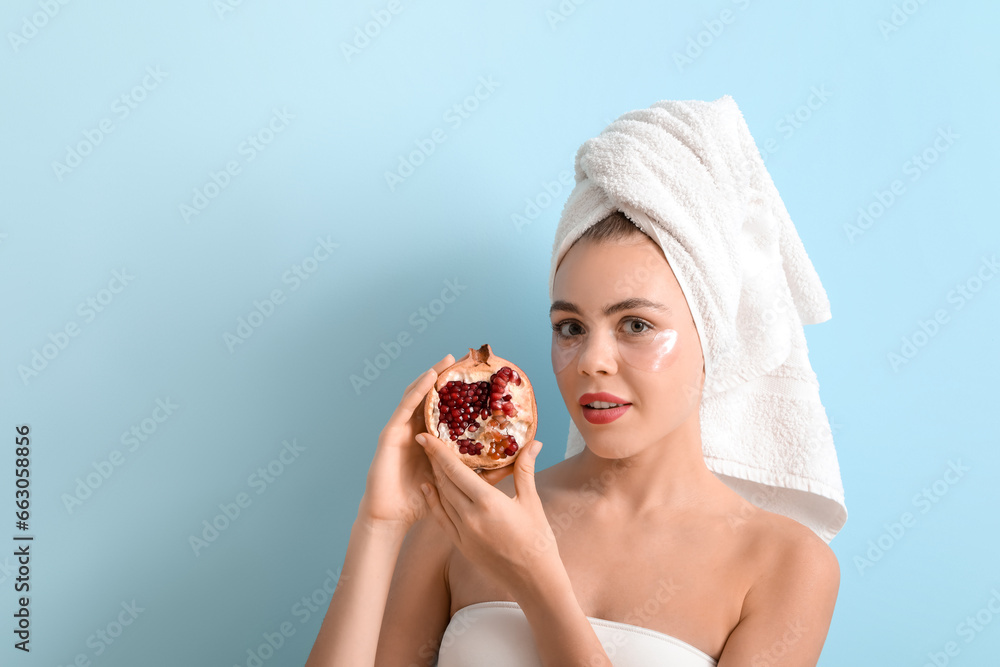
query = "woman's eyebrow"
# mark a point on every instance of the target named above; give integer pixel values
(627, 304)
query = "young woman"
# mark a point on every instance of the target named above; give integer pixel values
(630, 553)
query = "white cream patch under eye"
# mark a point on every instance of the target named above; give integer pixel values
(644, 353)
(649, 355)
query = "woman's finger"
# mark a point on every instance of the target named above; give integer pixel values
(454, 518)
(412, 398)
(415, 393)
(446, 361)
(496, 474)
(437, 510)
(460, 474)
(447, 489)
(524, 473)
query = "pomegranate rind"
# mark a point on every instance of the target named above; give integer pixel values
(478, 366)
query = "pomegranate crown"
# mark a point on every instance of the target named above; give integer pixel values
(482, 355)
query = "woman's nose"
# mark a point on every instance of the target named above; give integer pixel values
(599, 353)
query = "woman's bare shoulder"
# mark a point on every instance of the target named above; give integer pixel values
(785, 533)
(778, 540)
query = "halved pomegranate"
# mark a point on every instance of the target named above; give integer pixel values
(484, 406)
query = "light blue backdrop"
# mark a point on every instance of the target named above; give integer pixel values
(171, 168)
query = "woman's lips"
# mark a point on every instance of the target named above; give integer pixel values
(605, 416)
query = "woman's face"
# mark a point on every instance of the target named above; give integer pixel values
(649, 358)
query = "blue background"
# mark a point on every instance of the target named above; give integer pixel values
(884, 95)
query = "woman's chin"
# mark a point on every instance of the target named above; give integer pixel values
(607, 446)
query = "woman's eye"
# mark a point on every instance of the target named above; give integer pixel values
(642, 326)
(561, 329)
(633, 327)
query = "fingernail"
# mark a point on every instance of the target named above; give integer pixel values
(426, 489)
(537, 447)
(422, 439)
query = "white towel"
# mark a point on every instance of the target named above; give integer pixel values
(689, 174)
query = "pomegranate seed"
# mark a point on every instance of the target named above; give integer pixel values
(469, 447)
(461, 403)
(483, 407)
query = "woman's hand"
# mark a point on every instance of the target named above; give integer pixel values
(508, 538)
(392, 497)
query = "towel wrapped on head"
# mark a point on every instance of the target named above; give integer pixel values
(689, 174)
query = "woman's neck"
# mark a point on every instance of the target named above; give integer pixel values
(668, 475)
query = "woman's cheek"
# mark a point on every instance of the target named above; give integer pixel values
(651, 356)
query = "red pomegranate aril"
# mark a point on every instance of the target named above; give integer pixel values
(474, 414)
(460, 404)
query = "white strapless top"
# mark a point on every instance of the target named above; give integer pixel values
(497, 634)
